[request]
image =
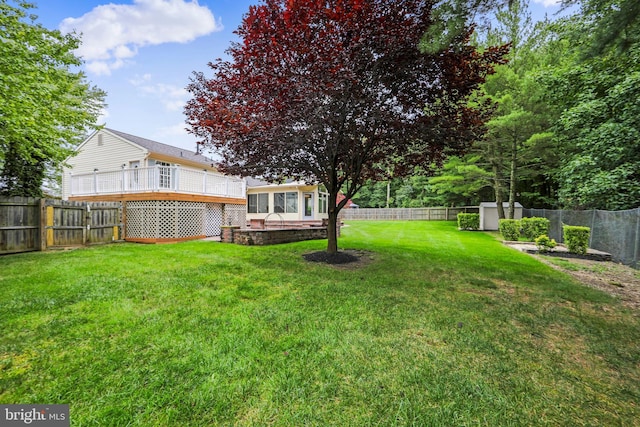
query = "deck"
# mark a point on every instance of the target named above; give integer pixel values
(157, 179)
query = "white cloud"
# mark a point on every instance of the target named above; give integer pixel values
(173, 98)
(176, 135)
(113, 33)
(177, 130)
(548, 3)
(104, 115)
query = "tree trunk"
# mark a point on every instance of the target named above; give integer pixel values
(497, 187)
(512, 178)
(332, 226)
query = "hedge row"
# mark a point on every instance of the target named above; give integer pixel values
(535, 229)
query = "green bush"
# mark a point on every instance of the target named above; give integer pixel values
(576, 238)
(468, 221)
(544, 243)
(510, 229)
(534, 227)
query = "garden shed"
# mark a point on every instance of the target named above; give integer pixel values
(489, 214)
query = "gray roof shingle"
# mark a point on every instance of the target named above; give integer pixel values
(164, 149)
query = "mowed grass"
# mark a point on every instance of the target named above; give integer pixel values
(439, 328)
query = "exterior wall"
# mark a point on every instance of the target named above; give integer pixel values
(299, 189)
(111, 155)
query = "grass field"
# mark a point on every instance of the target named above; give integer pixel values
(439, 328)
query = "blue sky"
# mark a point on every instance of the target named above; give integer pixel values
(143, 52)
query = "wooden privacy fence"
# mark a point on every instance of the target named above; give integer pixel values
(28, 224)
(408, 214)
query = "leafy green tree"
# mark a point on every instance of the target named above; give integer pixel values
(602, 131)
(418, 192)
(372, 195)
(520, 129)
(45, 106)
(599, 129)
(611, 24)
(462, 181)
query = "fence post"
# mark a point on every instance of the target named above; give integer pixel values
(50, 215)
(43, 225)
(87, 222)
(637, 248)
(593, 223)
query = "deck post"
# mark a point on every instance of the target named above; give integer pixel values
(204, 182)
(176, 184)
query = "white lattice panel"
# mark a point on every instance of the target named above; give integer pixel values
(235, 215)
(160, 219)
(189, 219)
(142, 220)
(213, 219)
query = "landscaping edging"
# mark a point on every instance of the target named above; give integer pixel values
(560, 251)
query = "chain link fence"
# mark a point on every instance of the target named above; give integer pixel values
(615, 232)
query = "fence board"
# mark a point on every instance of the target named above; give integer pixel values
(28, 224)
(19, 224)
(407, 214)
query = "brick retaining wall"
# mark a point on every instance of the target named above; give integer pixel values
(274, 236)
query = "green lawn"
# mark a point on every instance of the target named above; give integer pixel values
(441, 328)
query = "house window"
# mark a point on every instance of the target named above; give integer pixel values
(164, 171)
(323, 199)
(258, 203)
(285, 202)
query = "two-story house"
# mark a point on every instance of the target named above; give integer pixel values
(168, 193)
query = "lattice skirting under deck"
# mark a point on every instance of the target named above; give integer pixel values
(174, 220)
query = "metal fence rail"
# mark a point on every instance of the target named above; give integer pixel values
(615, 232)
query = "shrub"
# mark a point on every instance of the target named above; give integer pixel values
(544, 243)
(468, 221)
(534, 227)
(510, 229)
(576, 238)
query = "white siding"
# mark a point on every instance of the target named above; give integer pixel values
(111, 155)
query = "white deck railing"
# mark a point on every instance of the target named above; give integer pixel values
(159, 179)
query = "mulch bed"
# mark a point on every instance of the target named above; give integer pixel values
(327, 258)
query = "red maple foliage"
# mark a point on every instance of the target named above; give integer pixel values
(338, 92)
